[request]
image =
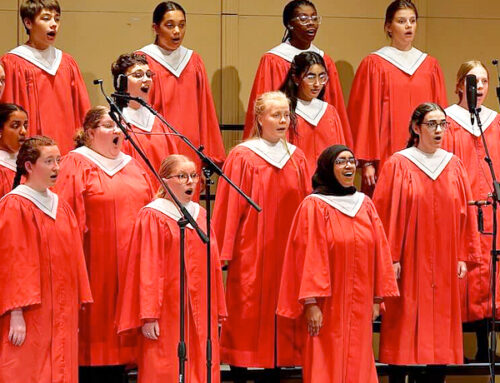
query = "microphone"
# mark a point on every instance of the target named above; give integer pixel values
(98, 81)
(471, 94)
(121, 95)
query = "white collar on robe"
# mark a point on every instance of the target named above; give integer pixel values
(276, 154)
(431, 164)
(174, 61)
(169, 208)
(48, 59)
(462, 117)
(311, 111)
(141, 118)
(8, 160)
(46, 202)
(287, 51)
(407, 61)
(346, 204)
(110, 166)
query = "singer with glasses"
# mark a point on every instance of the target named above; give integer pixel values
(464, 140)
(149, 295)
(388, 85)
(151, 135)
(106, 188)
(301, 22)
(421, 198)
(317, 124)
(274, 174)
(337, 267)
(181, 91)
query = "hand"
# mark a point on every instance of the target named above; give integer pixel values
(314, 319)
(375, 311)
(397, 269)
(462, 269)
(369, 175)
(151, 329)
(17, 330)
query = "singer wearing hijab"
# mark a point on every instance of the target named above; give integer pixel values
(464, 140)
(337, 265)
(421, 198)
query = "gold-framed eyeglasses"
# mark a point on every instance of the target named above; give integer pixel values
(139, 74)
(305, 19)
(183, 178)
(433, 125)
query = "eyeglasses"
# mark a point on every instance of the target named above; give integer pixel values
(345, 161)
(311, 78)
(183, 178)
(139, 74)
(304, 19)
(433, 125)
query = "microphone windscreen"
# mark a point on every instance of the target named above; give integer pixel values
(471, 92)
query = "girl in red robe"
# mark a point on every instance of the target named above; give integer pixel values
(274, 174)
(106, 189)
(44, 80)
(13, 128)
(388, 85)
(421, 197)
(43, 279)
(149, 294)
(181, 90)
(150, 134)
(337, 264)
(317, 124)
(464, 140)
(301, 21)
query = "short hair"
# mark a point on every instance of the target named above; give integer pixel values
(124, 62)
(6, 109)
(395, 6)
(164, 7)
(465, 68)
(30, 8)
(418, 117)
(92, 119)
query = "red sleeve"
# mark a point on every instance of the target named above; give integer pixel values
(439, 86)
(365, 110)
(335, 97)
(392, 202)
(15, 83)
(81, 102)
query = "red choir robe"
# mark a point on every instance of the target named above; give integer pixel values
(318, 127)
(7, 171)
(422, 202)
(53, 93)
(150, 290)
(42, 271)
(106, 195)
(253, 243)
(272, 71)
(465, 141)
(156, 146)
(338, 254)
(181, 94)
(389, 84)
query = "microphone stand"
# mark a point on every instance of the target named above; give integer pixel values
(209, 169)
(495, 62)
(494, 251)
(117, 116)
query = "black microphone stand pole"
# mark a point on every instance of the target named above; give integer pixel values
(117, 116)
(494, 252)
(209, 169)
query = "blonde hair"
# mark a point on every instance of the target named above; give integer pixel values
(260, 106)
(465, 68)
(91, 121)
(167, 168)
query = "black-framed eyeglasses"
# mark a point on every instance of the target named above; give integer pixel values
(345, 161)
(183, 178)
(433, 125)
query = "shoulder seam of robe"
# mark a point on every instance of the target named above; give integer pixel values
(8, 160)
(276, 155)
(313, 111)
(348, 205)
(287, 51)
(174, 62)
(431, 164)
(462, 117)
(389, 54)
(169, 209)
(141, 118)
(24, 52)
(48, 204)
(110, 166)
